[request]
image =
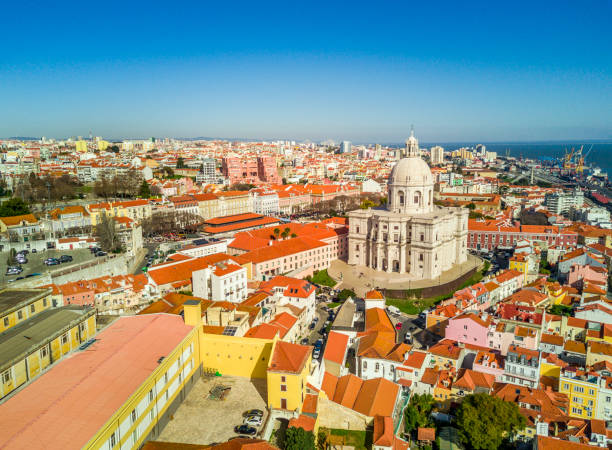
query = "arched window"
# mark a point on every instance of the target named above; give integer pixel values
(430, 194)
(400, 196)
(417, 198)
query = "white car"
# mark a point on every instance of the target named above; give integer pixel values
(253, 421)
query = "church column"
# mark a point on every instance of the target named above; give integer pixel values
(402, 258)
(389, 261)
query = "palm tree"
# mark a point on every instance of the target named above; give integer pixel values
(276, 231)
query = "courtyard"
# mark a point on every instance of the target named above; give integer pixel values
(202, 420)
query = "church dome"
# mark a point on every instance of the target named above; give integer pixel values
(411, 172)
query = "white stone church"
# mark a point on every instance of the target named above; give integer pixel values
(411, 236)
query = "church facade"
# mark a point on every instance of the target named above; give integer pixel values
(412, 235)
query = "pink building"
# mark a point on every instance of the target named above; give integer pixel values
(505, 335)
(250, 170)
(469, 329)
(579, 274)
(267, 170)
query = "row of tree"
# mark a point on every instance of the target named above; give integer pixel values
(171, 221)
(129, 185)
(484, 421)
(35, 189)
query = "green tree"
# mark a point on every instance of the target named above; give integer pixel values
(293, 235)
(418, 412)
(145, 190)
(276, 231)
(322, 440)
(180, 163)
(345, 293)
(299, 439)
(484, 421)
(471, 206)
(14, 207)
(366, 203)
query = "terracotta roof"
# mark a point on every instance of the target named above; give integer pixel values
(303, 421)
(383, 431)
(336, 346)
(329, 384)
(426, 434)
(288, 357)
(551, 443)
(282, 249)
(16, 220)
(374, 295)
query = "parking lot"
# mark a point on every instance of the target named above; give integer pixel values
(200, 420)
(36, 263)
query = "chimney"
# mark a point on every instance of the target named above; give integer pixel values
(192, 312)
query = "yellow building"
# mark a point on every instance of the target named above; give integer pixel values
(81, 146)
(32, 345)
(520, 264)
(556, 294)
(117, 393)
(103, 145)
(287, 375)
(17, 305)
(582, 393)
(598, 351)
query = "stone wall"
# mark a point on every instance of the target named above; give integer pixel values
(334, 415)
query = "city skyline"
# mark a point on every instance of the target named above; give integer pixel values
(459, 73)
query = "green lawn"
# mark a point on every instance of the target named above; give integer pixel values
(333, 304)
(322, 278)
(361, 440)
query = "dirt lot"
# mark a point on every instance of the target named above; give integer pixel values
(200, 420)
(36, 264)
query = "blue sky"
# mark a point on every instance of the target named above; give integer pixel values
(363, 71)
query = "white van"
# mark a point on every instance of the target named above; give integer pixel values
(393, 309)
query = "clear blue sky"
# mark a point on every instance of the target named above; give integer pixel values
(364, 71)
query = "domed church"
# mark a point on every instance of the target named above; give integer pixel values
(412, 235)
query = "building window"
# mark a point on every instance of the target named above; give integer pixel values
(64, 339)
(150, 395)
(19, 314)
(113, 440)
(6, 376)
(133, 416)
(283, 388)
(45, 302)
(6, 321)
(43, 352)
(365, 365)
(376, 367)
(32, 308)
(421, 257)
(283, 379)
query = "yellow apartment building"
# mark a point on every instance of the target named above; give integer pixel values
(81, 146)
(582, 392)
(287, 375)
(17, 305)
(31, 346)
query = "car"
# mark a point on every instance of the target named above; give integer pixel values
(34, 250)
(52, 262)
(253, 412)
(24, 252)
(319, 343)
(19, 278)
(254, 421)
(398, 326)
(245, 429)
(312, 326)
(304, 341)
(65, 258)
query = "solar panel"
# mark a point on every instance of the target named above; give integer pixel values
(230, 331)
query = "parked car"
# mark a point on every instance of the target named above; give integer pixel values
(100, 253)
(245, 429)
(34, 250)
(316, 353)
(253, 412)
(254, 421)
(398, 326)
(312, 326)
(65, 258)
(52, 261)
(304, 341)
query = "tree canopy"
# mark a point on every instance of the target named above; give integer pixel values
(299, 439)
(14, 207)
(484, 421)
(145, 190)
(418, 412)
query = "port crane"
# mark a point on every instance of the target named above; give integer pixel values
(580, 166)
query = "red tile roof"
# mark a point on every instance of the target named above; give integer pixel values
(336, 347)
(288, 357)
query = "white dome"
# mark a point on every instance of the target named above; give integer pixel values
(411, 172)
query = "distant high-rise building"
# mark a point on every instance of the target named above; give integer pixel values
(208, 173)
(436, 155)
(267, 169)
(378, 152)
(345, 147)
(481, 150)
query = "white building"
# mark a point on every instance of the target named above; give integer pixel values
(411, 235)
(264, 202)
(371, 186)
(562, 202)
(522, 367)
(345, 147)
(595, 215)
(222, 281)
(197, 249)
(436, 155)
